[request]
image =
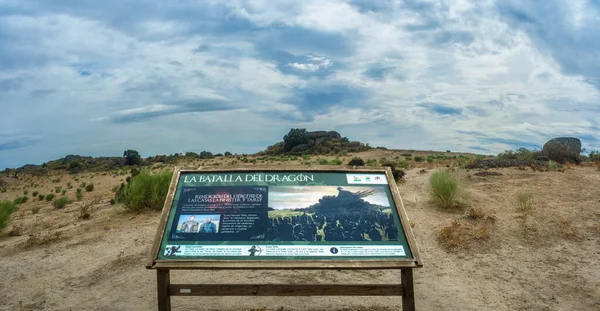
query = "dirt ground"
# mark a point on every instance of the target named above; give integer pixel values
(503, 259)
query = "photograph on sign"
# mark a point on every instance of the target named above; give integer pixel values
(283, 216)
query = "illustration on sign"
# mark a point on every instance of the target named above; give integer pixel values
(283, 216)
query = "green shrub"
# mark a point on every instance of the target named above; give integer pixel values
(382, 160)
(336, 161)
(60, 202)
(524, 200)
(41, 197)
(6, 209)
(34, 194)
(89, 187)
(69, 186)
(79, 196)
(83, 184)
(397, 173)
(145, 191)
(25, 192)
(63, 192)
(50, 197)
(322, 161)
(371, 162)
(404, 164)
(445, 189)
(552, 166)
(356, 161)
(429, 159)
(58, 189)
(79, 190)
(35, 209)
(419, 158)
(20, 200)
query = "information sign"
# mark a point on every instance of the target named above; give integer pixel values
(271, 215)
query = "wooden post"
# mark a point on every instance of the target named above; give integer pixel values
(163, 281)
(408, 298)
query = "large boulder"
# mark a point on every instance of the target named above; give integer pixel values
(317, 134)
(562, 149)
(300, 148)
(334, 135)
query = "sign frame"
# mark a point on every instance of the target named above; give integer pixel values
(165, 289)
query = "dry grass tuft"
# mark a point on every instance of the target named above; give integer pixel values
(460, 236)
(566, 229)
(38, 239)
(529, 230)
(525, 201)
(475, 213)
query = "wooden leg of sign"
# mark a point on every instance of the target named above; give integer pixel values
(163, 281)
(408, 298)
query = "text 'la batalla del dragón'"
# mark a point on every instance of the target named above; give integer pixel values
(224, 178)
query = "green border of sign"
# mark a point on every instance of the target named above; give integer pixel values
(411, 260)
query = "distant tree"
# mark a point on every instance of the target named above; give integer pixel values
(206, 155)
(132, 157)
(191, 155)
(295, 137)
(227, 153)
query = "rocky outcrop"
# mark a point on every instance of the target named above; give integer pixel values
(562, 149)
(300, 148)
(300, 141)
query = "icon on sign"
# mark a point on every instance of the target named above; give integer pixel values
(334, 250)
(368, 178)
(377, 178)
(356, 178)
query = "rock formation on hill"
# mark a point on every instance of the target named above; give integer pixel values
(301, 141)
(562, 149)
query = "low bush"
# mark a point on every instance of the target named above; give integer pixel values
(6, 209)
(552, 166)
(60, 202)
(322, 161)
(25, 192)
(145, 191)
(20, 200)
(50, 197)
(336, 161)
(445, 189)
(397, 173)
(356, 161)
(34, 194)
(41, 197)
(35, 209)
(89, 187)
(419, 159)
(79, 195)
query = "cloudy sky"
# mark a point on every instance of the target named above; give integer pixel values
(98, 77)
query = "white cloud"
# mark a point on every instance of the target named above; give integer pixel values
(492, 83)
